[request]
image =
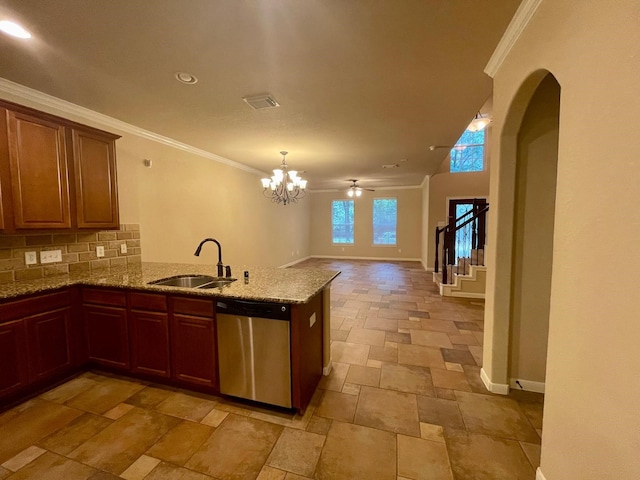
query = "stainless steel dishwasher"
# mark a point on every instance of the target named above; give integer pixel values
(254, 353)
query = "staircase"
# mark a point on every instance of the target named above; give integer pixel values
(462, 276)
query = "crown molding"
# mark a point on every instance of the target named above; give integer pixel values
(518, 23)
(29, 94)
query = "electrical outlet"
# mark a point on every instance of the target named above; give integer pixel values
(123, 248)
(30, 258)
(50, 256)
(100, 251)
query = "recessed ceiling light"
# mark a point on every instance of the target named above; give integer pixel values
(186, 78)
(13, 29)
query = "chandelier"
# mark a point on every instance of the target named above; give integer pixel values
(285, 186)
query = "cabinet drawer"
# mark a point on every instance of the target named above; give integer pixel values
(193, 306)
(148, 301)
(101, 296)
(33, 305)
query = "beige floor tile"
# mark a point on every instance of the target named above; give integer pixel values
(100, 475)
(430, 339)
(68, 390)
(295, 476)
(393, 313)
(453, 367)
(363, 375)
(351, 353)
(388, 410)
(179, 443)
(473, 377)
(339, 335)
(236, 450)
(118, 411)
(51, 466)
(351, 388)
(438, 411)
(447, 379)
(462, 357)
(32, 424)
(385, 354)
(214, 418)
(463, 339)
(297, 451)
(337, 406)
(4, 473)
(366, 336)
(445, 326)
(23, 458)
(385, 324)
(335, 380)
(75, 433)
(166, 471)
(434, 433)
(149, 397)
(104, 395)
(398, 338)
(270, 473)
(140, 468)
(354, 452)
(420, 356)
(319, 425)
(477, 354)
(423, 459)
(533, 411)
(407, 378)
(185, 406)
(496, 416)
(479, 457)
(532, 451)
(116, 447)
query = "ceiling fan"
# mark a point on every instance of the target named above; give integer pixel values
(355, 190)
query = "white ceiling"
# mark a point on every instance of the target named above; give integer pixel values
(361, 83)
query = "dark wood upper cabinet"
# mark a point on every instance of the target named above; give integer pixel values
(39, 172)
(54, 173)
(96, 185)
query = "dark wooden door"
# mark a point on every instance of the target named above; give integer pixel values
(107, 335)
(14, 374)
(96, 188)
(149, 342)
(50, 340)
(39, 172)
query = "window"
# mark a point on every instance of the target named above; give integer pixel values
(342, 221)
(468, 153)
(385, 215)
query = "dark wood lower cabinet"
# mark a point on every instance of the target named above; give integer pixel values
(107, 335)
(49, 342)
(14, 373)
(149, 343)
(193, 342)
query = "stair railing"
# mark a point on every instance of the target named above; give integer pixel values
(473, 217)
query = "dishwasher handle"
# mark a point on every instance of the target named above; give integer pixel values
(244, 308)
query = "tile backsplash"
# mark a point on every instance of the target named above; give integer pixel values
(78, 252)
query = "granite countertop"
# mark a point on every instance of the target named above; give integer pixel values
(287, 285)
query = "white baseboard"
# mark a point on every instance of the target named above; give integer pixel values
(499, 388)
(327, 369)
(382, 259)
(527, 385)
(539, 475)
(290, 264)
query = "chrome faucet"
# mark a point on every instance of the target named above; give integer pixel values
(220, 265)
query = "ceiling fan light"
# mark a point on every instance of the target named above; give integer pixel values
(478, 123)
(350, 193)
(358, 193)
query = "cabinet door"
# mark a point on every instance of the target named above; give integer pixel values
(14, 374)
(39, 173)
(193, 350)
(95, 176)
(107, 335)
(49, 340)
(149, 342)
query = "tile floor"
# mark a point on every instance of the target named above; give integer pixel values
(404, 401)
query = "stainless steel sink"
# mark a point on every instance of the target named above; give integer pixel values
(193, 281)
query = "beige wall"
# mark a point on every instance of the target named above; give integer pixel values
(591, 420)
(533, 234)
(184, 198)
(427, 263)
(409, 228)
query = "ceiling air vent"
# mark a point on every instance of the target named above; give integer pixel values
(260, 102)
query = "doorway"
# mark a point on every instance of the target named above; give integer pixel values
(460, 211)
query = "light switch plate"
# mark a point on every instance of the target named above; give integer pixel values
(50, 256)
(123, 248)
(100, 251)
(30, 258)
